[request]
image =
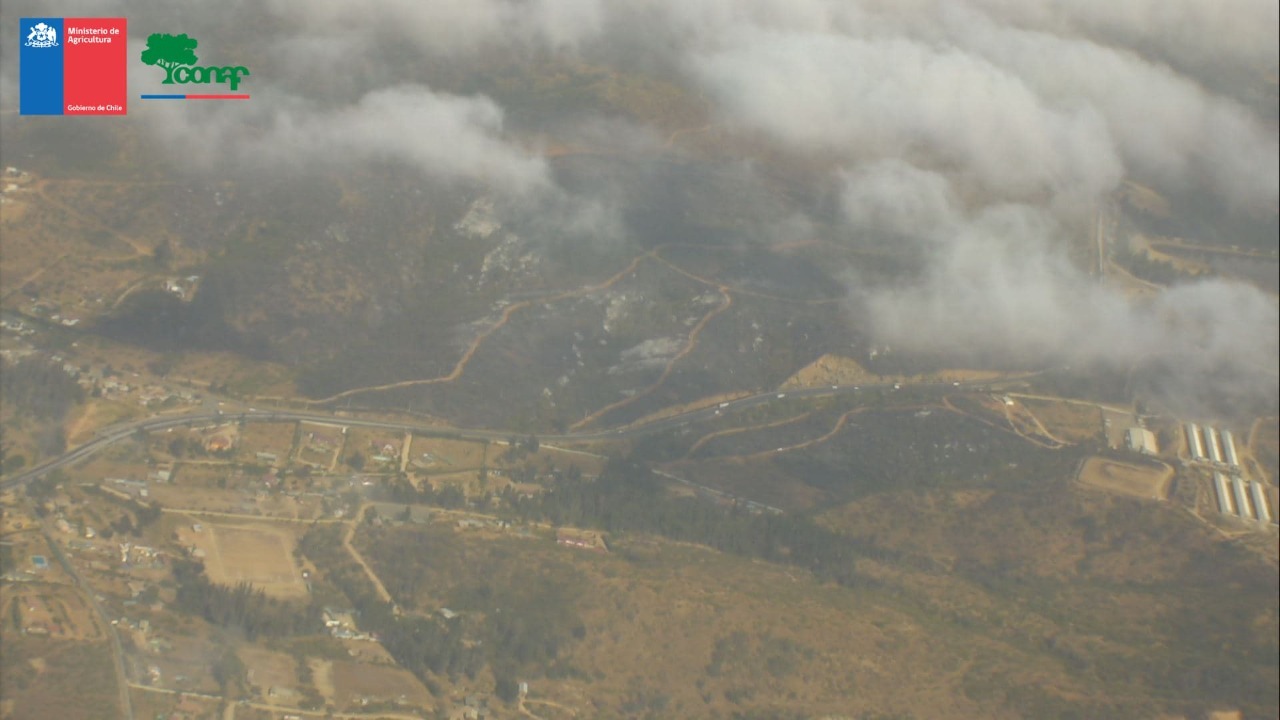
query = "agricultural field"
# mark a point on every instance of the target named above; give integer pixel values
(55, 611)
(201, 498)
(208, 475)
(127, 463)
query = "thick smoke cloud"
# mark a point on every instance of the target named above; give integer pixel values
(865, 99)
(447, 136)
(998, 285)
(983, 134)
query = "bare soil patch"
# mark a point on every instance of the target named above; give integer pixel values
(358, 684)
(1136, 480)
(268, 669)
(261, 556)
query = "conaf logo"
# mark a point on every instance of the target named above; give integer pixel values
(176, 54)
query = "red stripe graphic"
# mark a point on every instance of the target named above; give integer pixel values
(95, 67)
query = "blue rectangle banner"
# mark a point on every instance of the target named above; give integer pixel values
(40, 66)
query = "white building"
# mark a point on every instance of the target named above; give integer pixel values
(1242, 501)
(1142, 440)
(1194, 444)
(1226, 505)
(1260, 502)
(1211, 440)
(1229, 446)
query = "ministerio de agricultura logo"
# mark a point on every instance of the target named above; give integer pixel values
(175, 54)
(73, 66)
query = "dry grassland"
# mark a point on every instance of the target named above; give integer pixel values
(200, 474)
(987, 408)
(831, 370)
(1069, 421)
(840, 370)
(182, 497)
(241, 375)
(46, 679)
(322, 678)
(750, 632)
(62, 247)
(589, 463)
(353, 682)
(274, 438)
(1126, 479)
(105, 467)
(445, 455)
(97, 413)
(267, 668)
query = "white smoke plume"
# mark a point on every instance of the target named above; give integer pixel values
(983, 133)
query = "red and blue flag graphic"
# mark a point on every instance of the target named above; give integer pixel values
(73, 66)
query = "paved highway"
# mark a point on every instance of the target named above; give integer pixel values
(116, 433)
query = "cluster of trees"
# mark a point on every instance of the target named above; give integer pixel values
(240, 606)
(38, 388)
(512, 625)
(143, 514)
(180, 447)
(422, 646)
(525, 616)
(400, 490)
(517, 448)
(629, 498)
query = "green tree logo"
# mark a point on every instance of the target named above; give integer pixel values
(170, 52)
